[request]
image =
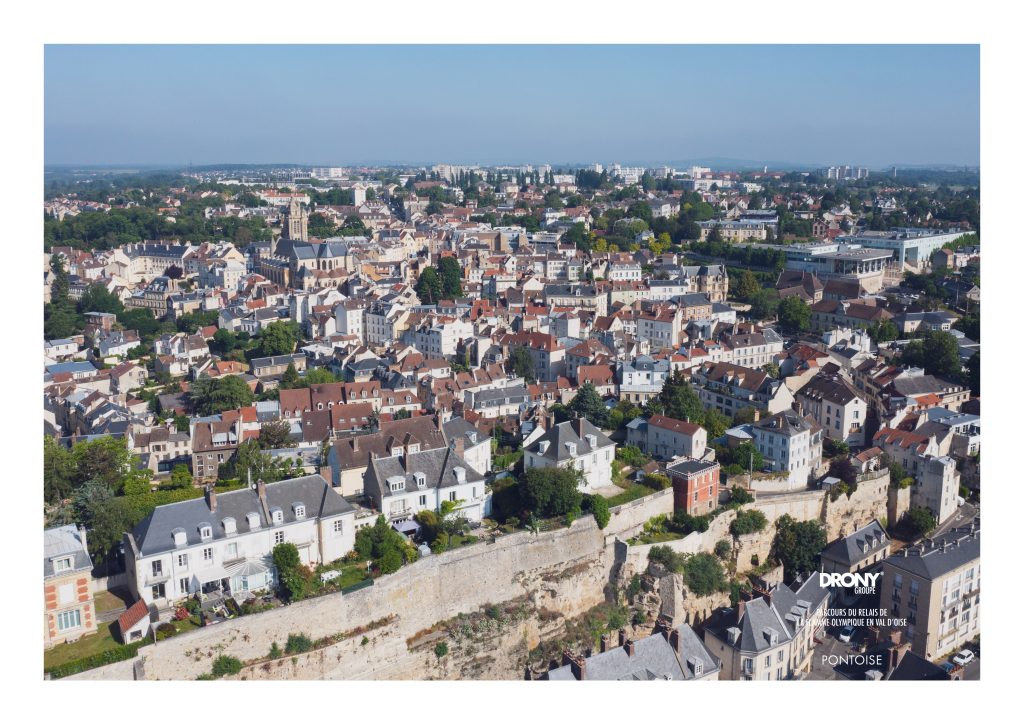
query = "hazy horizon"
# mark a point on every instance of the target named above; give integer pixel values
(784, 106)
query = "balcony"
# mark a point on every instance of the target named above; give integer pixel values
(154, 578)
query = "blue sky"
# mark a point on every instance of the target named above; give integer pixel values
(863, 105)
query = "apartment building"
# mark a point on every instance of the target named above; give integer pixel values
(666, 438)
(936, 586)
(695, 485)
(577, 443)
(834, 404)
(789, 443)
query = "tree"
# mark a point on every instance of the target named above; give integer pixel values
(747, 286)
(521, 363)
(210, 396)
(794, 315)
(588, 404)
(451, 278)
(715, 422)
(551, 491)
(920, 521)
(843, 469)
(764, 304)
(97, 510)
(679, 399)
(883, 331)
(224, 340)
(291, 574)
(703, 574)
(748, 520)
(428, 286)
(974, 373)
(181, 477)
(182, 423)
(290, 379)
(797, 545)
(938, 353)
(97, 299)
(279, 338)
(723, 548)
(275, 435)
(601, 512)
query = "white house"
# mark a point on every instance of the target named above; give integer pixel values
(789, 443)
(836, 407)
(578, 443)
(402, 485)
(223, 544)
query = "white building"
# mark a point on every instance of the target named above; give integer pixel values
(833, 403)
(402, 485)
(223, 544)
(578, 443)
(788, 442)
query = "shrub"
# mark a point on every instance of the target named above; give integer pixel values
(441, 650)
(723, 548)
(275, 651)
(656, 481)
(364, 641)
(391, 561)
(165, 631)
(617, 619)
(667, 557)
(601, 513)
(298, 644)
(689, 523)
(634, 587)
(180, 613)
(492, 611)
(740, 495)
(225, 665)
(748, 521)
(703, 574)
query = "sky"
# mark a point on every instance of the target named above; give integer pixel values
(873, 106)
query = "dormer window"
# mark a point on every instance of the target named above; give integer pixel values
(421, 480)
(253, 520)
(61, 564)
(179, 536)
(571, 447)
(472, 437)
(276, 515)
(396, 484)
(205, 531)
(300, 510)
(460, 474)
(229, 526)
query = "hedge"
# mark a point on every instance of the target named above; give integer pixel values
(121, 653)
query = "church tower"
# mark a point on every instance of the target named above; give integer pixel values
(296, 222)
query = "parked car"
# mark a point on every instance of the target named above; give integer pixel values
(845, 634)
(964, 657)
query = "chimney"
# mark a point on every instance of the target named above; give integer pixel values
(355, 444)
(261, 491)
(459, 446)
(673, 639)
(211, 498)
(741, 607)
(622, 637)
(83, 536)
(577, 663)
(630, 647)
(605, 642)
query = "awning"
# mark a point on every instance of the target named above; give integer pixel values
(407, 526)
(248, 567)
(213, 573)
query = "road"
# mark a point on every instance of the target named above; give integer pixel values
(963, 516)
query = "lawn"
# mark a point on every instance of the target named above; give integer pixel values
(107, 601)
(632, 492)
(94, 643)
(662, 536)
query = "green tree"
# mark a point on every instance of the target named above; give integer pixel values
(920, 521)
(601, 512)
(974, 373)
(210, 396)
(551, 492)
(679, 400)
(883, 331)
(181, 477)
(938, 353)
(794, 315)
(703, 574)
(764, 304)
(451, 278)
(588, 404)
(428, 286)
(182, 423)
(292, 576)
(715, 422)
(97, 510)
(747, 286)
(275, 435)
(748, 520)
(279, 338)
(797, 545)
(521, 364)
(97, 299)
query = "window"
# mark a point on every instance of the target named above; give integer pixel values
(183, 560)
(158, 568)
(423, 500)
(67, 620)
(183, 586)
(62, 564)
(207, 554)
(768, 660)
(451, 496)
(337, 527)
(232, 551)
(158, 591)
(278, 537)
(780, 657)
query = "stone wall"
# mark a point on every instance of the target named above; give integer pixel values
(564, 571)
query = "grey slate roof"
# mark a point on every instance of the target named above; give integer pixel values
(460, 427)
(155, 534)
(437, 465)
(653, 658)
(858, 545)
(572, 431)
(61, 542)
(936, 557)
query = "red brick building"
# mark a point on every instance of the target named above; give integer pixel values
(695, 485)
(68, 610)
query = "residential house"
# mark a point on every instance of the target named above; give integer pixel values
(695, 485)
(575, 443)
(68, 609)
(666, 438)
